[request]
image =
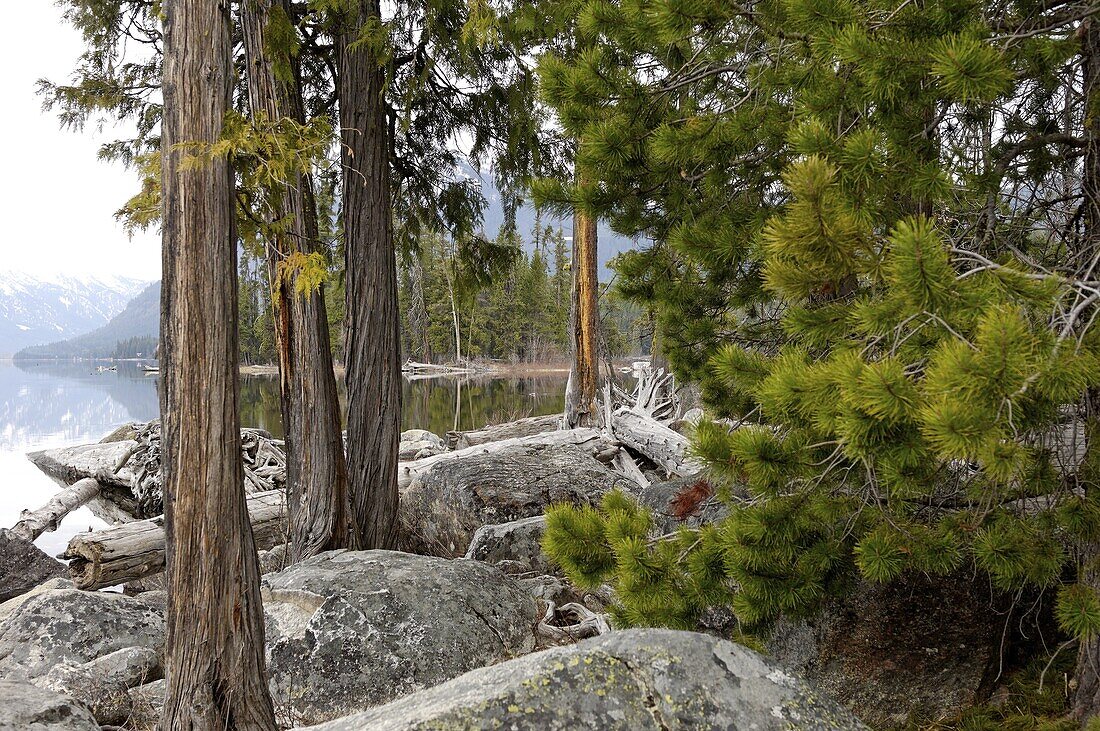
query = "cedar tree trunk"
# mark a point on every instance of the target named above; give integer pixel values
(373, 339)
(214, 661)
(317, 480)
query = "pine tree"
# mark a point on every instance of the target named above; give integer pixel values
(865, 221)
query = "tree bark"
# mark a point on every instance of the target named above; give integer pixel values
(1086, 701)
(583, 385)
(373, 339)
(215, 640)
(317, 480)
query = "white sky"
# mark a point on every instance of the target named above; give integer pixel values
(56, 198)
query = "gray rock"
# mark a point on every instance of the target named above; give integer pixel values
(102, 685)
(515, 547)
(23, 566)
(347, 630)
(925, 647)
(444, 505)
(420, 443)
(659, 496)
(146, 704)
(26, 707)
(51, 626)
(633, 680)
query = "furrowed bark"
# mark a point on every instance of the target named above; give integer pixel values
(373, 341)
(317, 480)
(583, 386)
(215, 640)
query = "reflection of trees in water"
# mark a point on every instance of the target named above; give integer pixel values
(70, 398)
(428, 404)
(70, 401)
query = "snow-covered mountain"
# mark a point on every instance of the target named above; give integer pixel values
(36, 310)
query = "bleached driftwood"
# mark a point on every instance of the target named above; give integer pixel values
(585, 438)
(33, 523)
(654, 440)
(135, 550)
(571, 622)
(128, 470)
(413, 369)
(520, 428)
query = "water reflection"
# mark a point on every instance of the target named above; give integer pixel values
(438, 404)
(44, 405)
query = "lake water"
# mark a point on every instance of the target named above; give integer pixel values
(44, 405)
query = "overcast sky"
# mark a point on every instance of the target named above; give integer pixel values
(57, 198)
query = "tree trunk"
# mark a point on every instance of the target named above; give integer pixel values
(373, 339)
(583, 385)
(214, 657)
(1086, 701)
(317, 480)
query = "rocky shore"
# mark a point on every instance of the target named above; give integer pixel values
(470, 626)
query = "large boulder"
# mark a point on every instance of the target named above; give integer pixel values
(347, 630)
(444, 505)
(27, 707)
(918, 648)
(56, 624)
(633, 680)
(103, 684)
(420, 443)
(23, 566)
(514, 547)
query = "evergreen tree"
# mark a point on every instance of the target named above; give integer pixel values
(867, 226)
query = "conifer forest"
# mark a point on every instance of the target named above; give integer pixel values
(822, 282)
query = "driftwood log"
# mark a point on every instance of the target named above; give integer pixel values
(649, 437)
(510, 430)
(587, 439)
(135, 550)
(33, 523)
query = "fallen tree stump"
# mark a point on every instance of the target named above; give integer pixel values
(134, 550)
(654, 440)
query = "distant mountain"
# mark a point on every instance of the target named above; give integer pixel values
(35, 310)
(139, 319)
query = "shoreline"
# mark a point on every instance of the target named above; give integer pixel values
(482, 370)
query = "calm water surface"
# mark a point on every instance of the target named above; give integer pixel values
(44, 405)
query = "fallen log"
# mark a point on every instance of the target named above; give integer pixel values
(520, 428)
(648, 437)
(33, 523)
(115, 502)
(585, 438)
(135, 550)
